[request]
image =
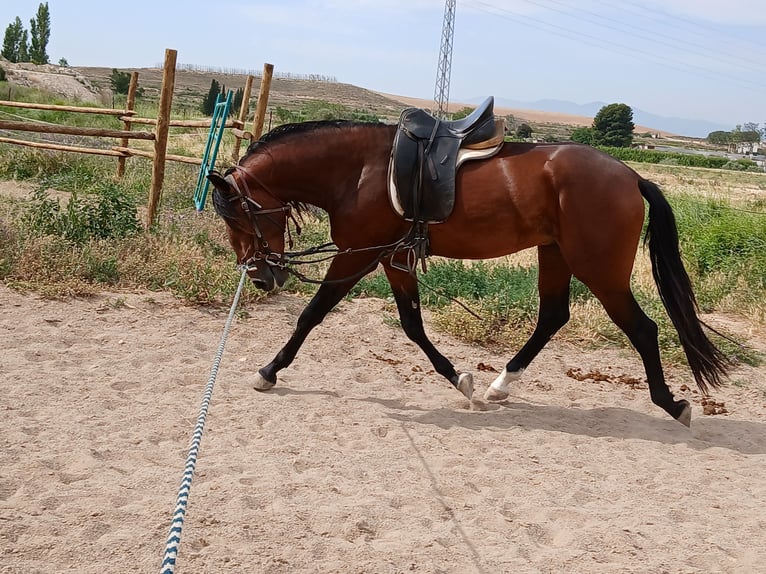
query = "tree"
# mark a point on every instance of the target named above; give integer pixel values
(236, 101)
(208, 102)
(582, 135)
(747, 140)
(524, 131)
(15, 42)
(463, 113)
(24, 47)
(750, 134)
(719, 137)
(120, 81)
(63, 63)
(613, 126)
(285, 116)
(40, 27)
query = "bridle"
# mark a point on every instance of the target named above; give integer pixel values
(411, 243)
(253, 209)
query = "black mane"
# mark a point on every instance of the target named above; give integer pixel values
(286, 130)
(226, 208)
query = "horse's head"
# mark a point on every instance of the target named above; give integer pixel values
(256, 222)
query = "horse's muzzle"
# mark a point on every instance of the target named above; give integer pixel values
(267, 277)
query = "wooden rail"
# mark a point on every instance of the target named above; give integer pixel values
(162, 123)
(47, 128)
(127, 152)
(181, 123)
(159, 136)
(61, 147)
(76, 109)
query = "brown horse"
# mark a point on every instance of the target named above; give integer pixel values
(581, 208)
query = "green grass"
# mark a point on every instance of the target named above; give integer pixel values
(90, 237)
(724, 249)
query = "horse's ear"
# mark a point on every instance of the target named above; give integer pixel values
(218, 181)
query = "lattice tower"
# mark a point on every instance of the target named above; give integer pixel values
(444, 69)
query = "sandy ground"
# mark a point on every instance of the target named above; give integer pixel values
(361, 459)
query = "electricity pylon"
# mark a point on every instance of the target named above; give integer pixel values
(444, 69)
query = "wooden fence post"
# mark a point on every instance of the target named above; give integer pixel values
(243, 109)
(129, 106)
(263, 99)
(161, 141)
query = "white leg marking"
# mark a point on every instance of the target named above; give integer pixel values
(262, 384)
(685, 418)
(498, 390)
(465, 384)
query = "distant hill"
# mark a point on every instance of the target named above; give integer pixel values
(679, 126)
(191, 86)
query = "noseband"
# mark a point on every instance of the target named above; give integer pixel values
(253, 209)
(409, 243)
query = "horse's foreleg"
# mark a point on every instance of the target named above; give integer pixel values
(328, 295)
(553, 286)
(405, 288)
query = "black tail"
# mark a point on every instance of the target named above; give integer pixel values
(707, 362)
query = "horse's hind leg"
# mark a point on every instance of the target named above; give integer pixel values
(553, 286)
(404, 286)
(642, 333)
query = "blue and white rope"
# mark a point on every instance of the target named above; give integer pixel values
(174, 537)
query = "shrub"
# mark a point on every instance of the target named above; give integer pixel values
(107, 215)
(667, 158)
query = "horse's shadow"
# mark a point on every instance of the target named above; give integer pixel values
(746, 437)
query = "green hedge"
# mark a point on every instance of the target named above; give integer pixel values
(684, 159)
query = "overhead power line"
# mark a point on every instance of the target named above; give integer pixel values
(641, 49)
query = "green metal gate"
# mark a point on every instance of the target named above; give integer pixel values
(217, 125)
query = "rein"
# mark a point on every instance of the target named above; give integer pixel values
(292, 258)
(414, 242)
(287, 259)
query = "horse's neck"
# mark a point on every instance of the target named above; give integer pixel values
(327, 167)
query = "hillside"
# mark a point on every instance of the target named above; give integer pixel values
(93, 83)
(192, 86)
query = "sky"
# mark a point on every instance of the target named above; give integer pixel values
(693, 59)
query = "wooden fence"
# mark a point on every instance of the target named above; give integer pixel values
(159, 135)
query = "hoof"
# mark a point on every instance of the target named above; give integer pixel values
(261, 384)
(685, 418)
(495, 395)
(465, 384)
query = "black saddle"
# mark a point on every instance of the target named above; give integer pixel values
(427, 153)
